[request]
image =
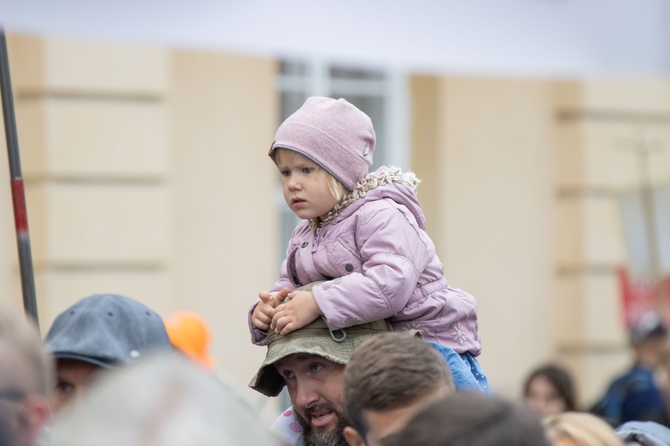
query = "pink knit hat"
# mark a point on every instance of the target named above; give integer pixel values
(334, 134)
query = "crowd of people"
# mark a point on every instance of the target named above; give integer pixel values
(371, 343)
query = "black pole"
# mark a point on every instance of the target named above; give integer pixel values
(18, 192)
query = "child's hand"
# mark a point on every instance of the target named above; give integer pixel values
(296, 313)
(265, 310)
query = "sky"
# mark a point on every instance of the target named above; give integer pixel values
(555, 38)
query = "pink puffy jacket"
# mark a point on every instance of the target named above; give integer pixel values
(378, 263)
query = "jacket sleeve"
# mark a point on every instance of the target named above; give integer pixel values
(394, 252)
(258, 336)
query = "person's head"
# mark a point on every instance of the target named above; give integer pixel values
(189, 332)
(387, 380)
(649, 338)
(167, 400)
(472, 419)
(99, 332)
(549, 390)
(26, 373)
(330, 134)
(310, 363)
(579, 429)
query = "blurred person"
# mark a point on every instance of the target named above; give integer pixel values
(549, 390)
(98, 333)
(310, 362)
(386, 381)
(643, 433)
(579, 429)
(362, 234)
(472, 419)
(190, 334)
(635, 395)
(26, 374)
(166, 400)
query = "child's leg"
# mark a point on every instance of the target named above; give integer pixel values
(465, 369)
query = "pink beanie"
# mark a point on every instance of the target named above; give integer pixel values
(334, 134)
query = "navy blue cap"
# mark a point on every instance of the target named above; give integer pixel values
(649, 325)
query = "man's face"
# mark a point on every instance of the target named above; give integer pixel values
(23, 411)
(72, 380)
(315, 386)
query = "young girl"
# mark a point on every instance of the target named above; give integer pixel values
(362, 233)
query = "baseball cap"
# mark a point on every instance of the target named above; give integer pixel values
(106, 330)
(316, 339)
(189, 332)
(649, 325)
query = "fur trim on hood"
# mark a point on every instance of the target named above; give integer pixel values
(381, 177)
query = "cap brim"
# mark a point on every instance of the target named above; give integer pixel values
(268, 381)
(94, 361)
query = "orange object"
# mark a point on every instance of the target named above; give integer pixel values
(189, 333)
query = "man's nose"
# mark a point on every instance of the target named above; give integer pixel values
(306, 394)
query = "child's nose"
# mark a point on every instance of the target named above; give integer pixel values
(293, 183)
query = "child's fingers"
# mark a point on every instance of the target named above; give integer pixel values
(268, 298)
(288, 328)
(280, 318)
(261, 321)
(281, 295)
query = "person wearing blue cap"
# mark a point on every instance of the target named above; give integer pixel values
(99, 332)
(634, 396)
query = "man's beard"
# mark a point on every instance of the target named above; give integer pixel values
(318, 436)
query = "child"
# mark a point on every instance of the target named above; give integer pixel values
(362, 233)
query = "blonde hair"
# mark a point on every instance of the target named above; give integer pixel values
(291, 157)
(583, 428)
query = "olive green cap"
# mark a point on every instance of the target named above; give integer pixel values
(315, 339)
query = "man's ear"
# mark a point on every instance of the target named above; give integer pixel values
(353, 437)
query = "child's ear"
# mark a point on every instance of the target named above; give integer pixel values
(353, 437)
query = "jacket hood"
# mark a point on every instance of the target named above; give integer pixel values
(384, 183)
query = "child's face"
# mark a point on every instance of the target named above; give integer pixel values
(305, 186)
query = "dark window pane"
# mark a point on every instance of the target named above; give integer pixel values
(292, 68)
(348, 73)
(290, 102)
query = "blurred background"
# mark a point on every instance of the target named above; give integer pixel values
(540, 128)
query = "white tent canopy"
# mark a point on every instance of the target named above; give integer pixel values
(502, 37)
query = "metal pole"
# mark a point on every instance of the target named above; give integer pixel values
(18, 193)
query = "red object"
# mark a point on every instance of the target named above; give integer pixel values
(636, 297)
(20, 214)
(639, 295)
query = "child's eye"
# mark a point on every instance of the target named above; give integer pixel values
(307, 170)
(285, 173)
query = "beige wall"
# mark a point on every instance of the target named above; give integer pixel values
(147, 175)
(598, 122)
(484, 151)
(224, 214)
